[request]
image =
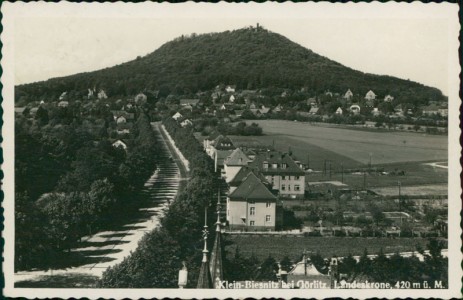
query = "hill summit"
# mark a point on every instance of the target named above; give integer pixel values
(250, 58)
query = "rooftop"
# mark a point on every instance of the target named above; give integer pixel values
(274, 162)
(252, 188)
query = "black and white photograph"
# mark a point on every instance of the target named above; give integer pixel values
(275, 149)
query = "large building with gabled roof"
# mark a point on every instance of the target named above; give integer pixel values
(234, 162)
(282, 172)
(252, 206)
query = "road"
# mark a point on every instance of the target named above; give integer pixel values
(107, 248)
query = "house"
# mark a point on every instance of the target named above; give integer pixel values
(122, 113)
(207, 142)
(443, 111)
(19, 110)
(355, 109)
(388, 98)
(313, 110)
(370, 95)
(232, 98)
(63, 95)
(141, 99)
(282, 172)
(233, 163)
(306, 274)
(33, 111)
(348, 95)
(124, 128)
(177, 116)
(256, 112)
(121, 120)
(219, 150)
(102, 95)
(264, 110)
(63, 104)
(191, 102)
(223, 107)
(278, 108)
(339, 111)
(186, 123)
(375, 112)
(312, 102)
(251, 206)
(230, 88)
(430, 110)
(120, 144)
(236, 181)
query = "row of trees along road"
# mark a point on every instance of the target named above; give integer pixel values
(159, 255)
(70, 181)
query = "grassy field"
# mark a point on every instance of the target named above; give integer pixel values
(278, 247)
(348, 149)
(354, 145)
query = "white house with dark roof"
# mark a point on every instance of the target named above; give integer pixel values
(177, 116)
(252, 206)
(348, 95)
(282, 172)
(370, 95)
(388, 98)
(233, 163)
(339, 111)
(120, 144)
(186, 123)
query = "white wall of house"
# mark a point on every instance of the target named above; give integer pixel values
(288, 185)
(230, 172)
(260, 215)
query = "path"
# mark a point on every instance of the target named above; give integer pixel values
(107, 248)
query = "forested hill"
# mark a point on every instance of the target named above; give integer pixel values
(249, 58)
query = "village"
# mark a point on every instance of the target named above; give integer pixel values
(264, 184)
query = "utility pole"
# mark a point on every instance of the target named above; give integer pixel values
(400, 200)
(330, 168)
(364, 180)
(342, 173)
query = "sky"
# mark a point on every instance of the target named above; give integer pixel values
(381, 42)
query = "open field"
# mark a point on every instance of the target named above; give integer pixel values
(356, 145)
(293, 246)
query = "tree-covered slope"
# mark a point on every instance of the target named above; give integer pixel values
(250, 58)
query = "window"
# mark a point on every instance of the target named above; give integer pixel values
(251, 223)
(289, 187)
(297, 187)
(265, 165)
(296, 177)
(252, 211)
(284, 166)
(274, 166)
(283, 187)
(267, 218)
(268, 204)
(283, 177)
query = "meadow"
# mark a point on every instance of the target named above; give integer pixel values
(349, 150)
(355, 146)
(293, 246)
